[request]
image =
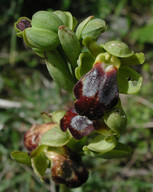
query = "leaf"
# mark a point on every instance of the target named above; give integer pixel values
(101, 144)
(55, 138)
(40, 164)
(129, 81)
(136, 59)
(21, 157)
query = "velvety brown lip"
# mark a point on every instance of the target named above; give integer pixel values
(78, 125)
(96, 91)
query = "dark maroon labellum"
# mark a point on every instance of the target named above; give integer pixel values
(68, 169)
(79, 126)
(23, 24)
(96, 91)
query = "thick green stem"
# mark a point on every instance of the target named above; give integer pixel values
(64, 188)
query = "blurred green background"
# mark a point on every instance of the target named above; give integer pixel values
(26, 89)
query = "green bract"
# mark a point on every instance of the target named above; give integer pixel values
(70, 44)
(59, 71)
(118, 48)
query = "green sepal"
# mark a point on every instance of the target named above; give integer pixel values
(120, 151)
(129, 81)
(19, 33)
(108, 60)
(46, 20)
(136, 59)
(55, 137)
(72, 21)
(118, 49)
(101, 144)
(81, 27)
(39, 164)
(59, 70)
(63, 17)
(21, 157)
(116, 119)
(40, 39)
(92, 46)
(94, 28)
(70, 44)
(85, 63)
(58, 115)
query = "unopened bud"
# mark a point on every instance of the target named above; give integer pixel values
(116, 120)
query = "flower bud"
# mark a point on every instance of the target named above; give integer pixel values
(46, 21)
(94, 28)
(21, 25)
(40, 39)
(116, 120)
(41, 32)
(33, 135)
(67, 167)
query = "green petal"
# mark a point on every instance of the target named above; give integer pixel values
(136, 59)
(101, 144)
(85, 63)
(55, 137)
(129, 81)
(21, 157)
(92, 46)
(39, 164)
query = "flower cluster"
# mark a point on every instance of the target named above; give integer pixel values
(96, 74)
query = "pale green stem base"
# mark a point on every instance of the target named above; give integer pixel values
(64, 188)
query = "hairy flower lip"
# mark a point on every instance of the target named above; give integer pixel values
(78, 125)
(96, 91)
